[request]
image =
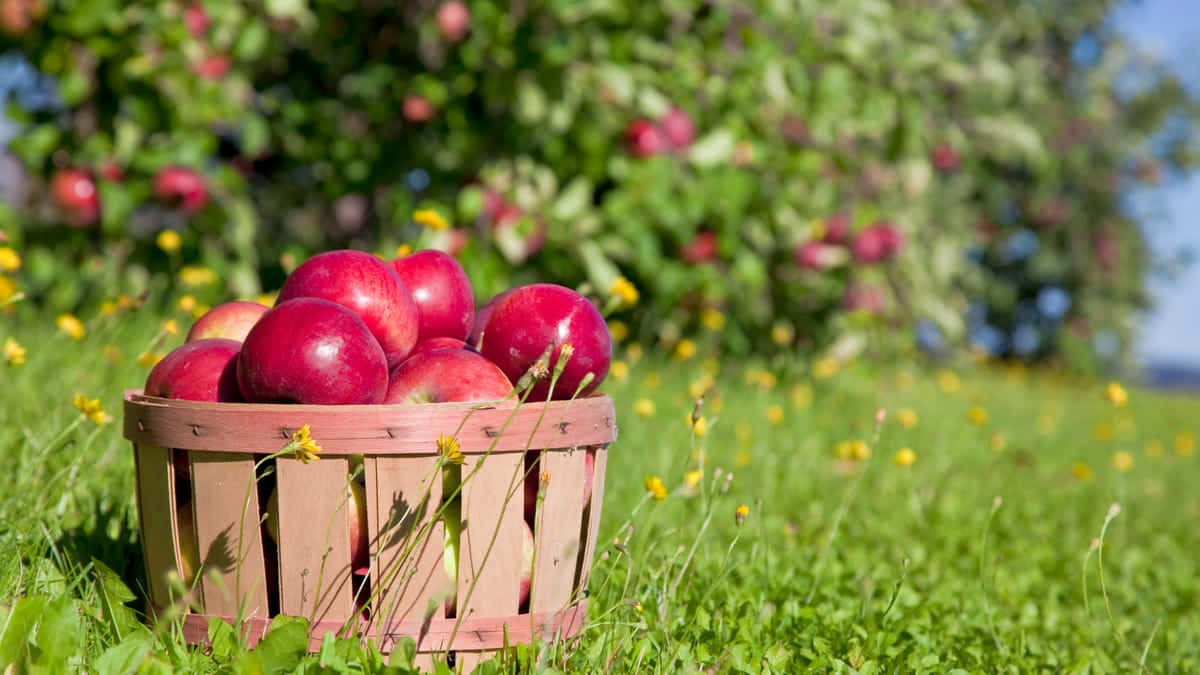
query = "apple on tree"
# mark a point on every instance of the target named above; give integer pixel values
(75, 192)
(312, 350)
(232, 320)
(182, 186)
(366, 285)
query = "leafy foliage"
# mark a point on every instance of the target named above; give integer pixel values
(691, 147)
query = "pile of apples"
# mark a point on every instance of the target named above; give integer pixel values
(351, 328)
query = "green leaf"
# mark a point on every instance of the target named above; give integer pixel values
(284, 645)
(59, 633)
(19, 626)
(127, 655)
(223, 640)
(252, 41)
(713, 149)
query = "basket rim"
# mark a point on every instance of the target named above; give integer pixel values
(381, 429)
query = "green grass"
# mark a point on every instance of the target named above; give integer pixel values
(973, 558)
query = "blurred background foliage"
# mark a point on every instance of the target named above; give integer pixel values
(771, 176)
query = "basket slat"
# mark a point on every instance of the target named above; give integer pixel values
(216, 476)
(593, 516)
(556, 531)
(314, 517)
(396, 491)
(488, 522)
(156, 487)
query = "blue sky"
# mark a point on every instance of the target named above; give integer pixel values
(1171, 332)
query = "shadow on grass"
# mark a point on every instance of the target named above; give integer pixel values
(110, 535)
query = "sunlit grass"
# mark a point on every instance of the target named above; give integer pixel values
(904, 519)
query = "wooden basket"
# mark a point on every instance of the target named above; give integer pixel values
(221, 442)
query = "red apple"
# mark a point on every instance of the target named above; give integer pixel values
(182, 186)
(864, 298)
(527, 548)
(189, 547)
(232, 320)
(436, 343)
(837, 229)
(417, 109)
(212, 66)
(677, 128)
(453, 20)
(75, 192)
(945, 158)
(645, 139)
(311, 350)
(368, 286)
(445, 375)
(442, 292)
(877, 243)
(481, 318)
(531, 318)
(356, 521)
(195, 18)
(111, 171)
(200, 370)
(701, 249)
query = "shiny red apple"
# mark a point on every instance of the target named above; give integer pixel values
(444, 375)
(200, 370)
(232, 320)
(644, 138)
(417, 109)
(312, 350)
(442, 292)
(878, 242)
(366, 285)
(437, 343)
(453, 20)
(75, 192)
(182, 186)
(531, 318)
(482, 314)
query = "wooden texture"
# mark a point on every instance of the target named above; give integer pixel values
(556, 532)
(219, 486)
(314, 537)
(473, 635)
(366, 429)
(593, 519)
(490, 550)
(403, 494)
(156, 505)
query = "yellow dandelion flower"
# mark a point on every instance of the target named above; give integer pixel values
(907, 417)
(1185, 444)
(699, 427)
(685, 349)
(712, 319)
(170, 327)
(1103, 432)
(652, 380)
(654, 486)
(1081, 471)
(149, 358)
(765, 379)
(187, 303)
(72, 326)
(905, 457)
(125, 302)
(949, 382)
(109, 307)
(303, 447)
(618, 330)
(403, 250)
(855, 449)
(998, 442)
(195, 275)
(1123, 461)
(1116, 394)
(802, 396)
(430, 219)
(10, 260)
(904, 381)
(450, 450)
(624, 290)
(740, 514)
(619, 370)
(169, 241)
(692, 478)
(825, 368)
(8, 290)
(14, 353)
(782, 333)
(643, 407)
(1155, 449)
(91, 409)
(977, 416)
(775, 414)
(742, 459)
(700, 386)
(633, 352)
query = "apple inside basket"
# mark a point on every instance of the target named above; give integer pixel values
(204, 509)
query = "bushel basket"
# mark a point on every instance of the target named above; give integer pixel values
(214, 447)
